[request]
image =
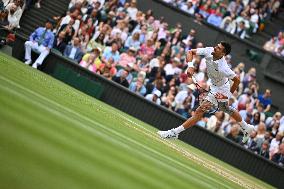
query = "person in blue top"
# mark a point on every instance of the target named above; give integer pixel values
(40, 41)
(265, 100)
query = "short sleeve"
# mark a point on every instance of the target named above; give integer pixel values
(204, 51)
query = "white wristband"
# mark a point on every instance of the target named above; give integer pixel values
(190, 65)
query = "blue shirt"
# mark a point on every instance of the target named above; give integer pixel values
(46, 39)
(264, 101)
(109, 54)
(214, 20)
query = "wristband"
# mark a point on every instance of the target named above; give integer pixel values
(190, 65)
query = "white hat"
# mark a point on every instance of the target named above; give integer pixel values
(176, 59)
(133, 49)
(191, 86)
(98, 48)
(157, 93)
(130, 64)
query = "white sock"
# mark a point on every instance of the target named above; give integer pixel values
(179, 129)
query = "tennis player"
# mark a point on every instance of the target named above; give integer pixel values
(220, 90)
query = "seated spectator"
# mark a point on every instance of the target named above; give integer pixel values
(276, 44)
(147, 49)
(138, 86)
(252, 143)
(40, 41)
(154, 97)
(274, 144)
(108, 68)
(14, 13)
(69, 30)
(127, 57)
(261, 131)
(270, 121)
(59, 42)
(216, 18)
(265, 99)
(172, 68)
(111, 52)
(96, 52)
(228, 24)
(264, 150)
(185, 98)
(89, 64)
(234, 134)
(245, 99)
(240, 30)
(168, 99)
(188, 7)
(73, 51)
(279, 156)
(133, 41)
(121, 79)
(212, 122)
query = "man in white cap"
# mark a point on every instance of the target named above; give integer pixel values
(220, 91)
(154, 97)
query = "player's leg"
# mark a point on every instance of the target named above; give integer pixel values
(173, 133)
(245, 128)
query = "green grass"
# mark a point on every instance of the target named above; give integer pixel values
(53, 136)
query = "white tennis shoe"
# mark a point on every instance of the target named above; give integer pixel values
(170, 134)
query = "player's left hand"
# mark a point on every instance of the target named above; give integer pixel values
(220, 96)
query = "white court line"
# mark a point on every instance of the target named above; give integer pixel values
(209, 165)
(96, 132)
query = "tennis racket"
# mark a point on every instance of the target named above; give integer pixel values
(202, 94)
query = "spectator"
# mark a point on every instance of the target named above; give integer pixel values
(59, 42)
(240, 30)
(138, 86)
(216, 18)
(89, 63)
(121, 79)
(265, 100)
(41, 41)
(275, 142)
(127, 57)
(73, 51)
(228, 24)
(168, 99)
(111, 52)
(279, 156)
(234, 134)
(154, 97)
(96, 53)
(252, 143)
(263, 151)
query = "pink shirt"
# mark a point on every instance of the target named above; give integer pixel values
(91, 67)
(125, 58)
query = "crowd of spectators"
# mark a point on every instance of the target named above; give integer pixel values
(240, 17)
(135, 49)
(276, 44)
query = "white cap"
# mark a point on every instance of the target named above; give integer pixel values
(157, 93)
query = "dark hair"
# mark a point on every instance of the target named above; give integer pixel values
(227, 47)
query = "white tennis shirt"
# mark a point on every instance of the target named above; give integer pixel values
(218, 71)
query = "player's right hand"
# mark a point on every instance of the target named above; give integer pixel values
(189, 72)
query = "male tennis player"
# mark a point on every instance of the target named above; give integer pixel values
(220, 90)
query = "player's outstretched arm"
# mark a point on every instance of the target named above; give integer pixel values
(235, 85)
(190, 67)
